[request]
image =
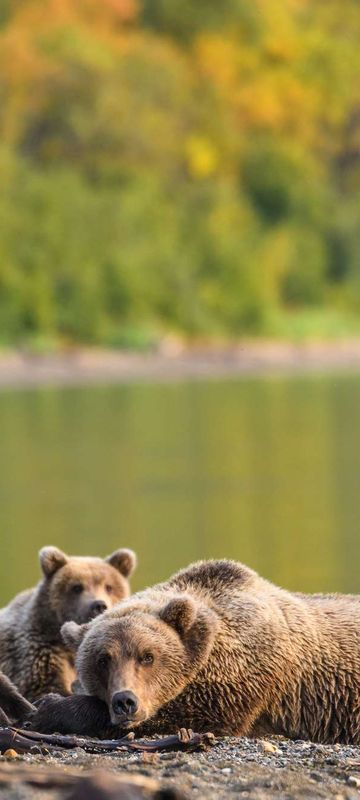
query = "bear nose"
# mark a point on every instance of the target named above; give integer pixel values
(97, 607)
(124, 703)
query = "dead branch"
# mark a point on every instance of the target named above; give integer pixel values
(25, 741)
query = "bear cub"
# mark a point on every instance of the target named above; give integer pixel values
(32, 652)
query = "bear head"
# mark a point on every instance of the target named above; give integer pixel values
(80, 588)
(144, 653)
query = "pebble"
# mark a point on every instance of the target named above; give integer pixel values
(268, 747)
(10, 753)
(352, 781)
(316, 776)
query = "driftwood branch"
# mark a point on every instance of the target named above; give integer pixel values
(25, 741)
(96, 785)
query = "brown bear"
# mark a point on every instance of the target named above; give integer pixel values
(32, 652)
(217, 648)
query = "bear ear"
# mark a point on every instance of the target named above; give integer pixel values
(123, 560)
(51, 559)
(72, 634)
(180, 613)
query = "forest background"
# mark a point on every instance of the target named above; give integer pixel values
(171, 166)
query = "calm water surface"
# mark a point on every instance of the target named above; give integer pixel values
(264, 470)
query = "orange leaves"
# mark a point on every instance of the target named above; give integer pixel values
(217, 59)
(65, 11)
(124, 10)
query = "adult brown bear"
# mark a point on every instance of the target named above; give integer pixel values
(217, 648)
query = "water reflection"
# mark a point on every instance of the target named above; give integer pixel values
(265, 471)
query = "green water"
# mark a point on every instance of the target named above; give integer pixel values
(264, 471)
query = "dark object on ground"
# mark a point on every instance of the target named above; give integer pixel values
(74, 715)
(24, 741)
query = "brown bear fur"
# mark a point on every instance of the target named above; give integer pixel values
(218, 648)
(13, 706)
(32, 652)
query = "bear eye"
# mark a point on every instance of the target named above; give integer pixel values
(104, 660)
(146, 659)
(108, 588)
(77, 588)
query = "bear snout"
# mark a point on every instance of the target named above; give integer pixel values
(96, 608)
(124, 704)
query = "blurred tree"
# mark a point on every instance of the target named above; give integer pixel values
(176, 165)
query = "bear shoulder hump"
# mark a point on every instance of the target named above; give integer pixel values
(212, 574)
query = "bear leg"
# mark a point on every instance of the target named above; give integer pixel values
(12, 703)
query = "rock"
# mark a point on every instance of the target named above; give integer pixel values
(150, 758)
(316, 776)
(269, 747)
(10, 753)
(352, 780)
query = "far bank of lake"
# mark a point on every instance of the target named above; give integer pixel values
(174, 361)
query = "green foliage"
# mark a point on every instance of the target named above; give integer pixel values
(181, 166)
(184, 19)
(278, 181)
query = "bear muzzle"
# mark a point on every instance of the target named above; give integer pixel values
(96, 608)
(124, 706)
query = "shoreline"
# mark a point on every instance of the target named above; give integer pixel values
(259, 769)
(173, 362)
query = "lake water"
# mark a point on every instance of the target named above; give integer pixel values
(263, 470)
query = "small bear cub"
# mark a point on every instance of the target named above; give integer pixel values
(77, 588)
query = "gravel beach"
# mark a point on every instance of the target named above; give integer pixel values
(233, 768)
(173, 362)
